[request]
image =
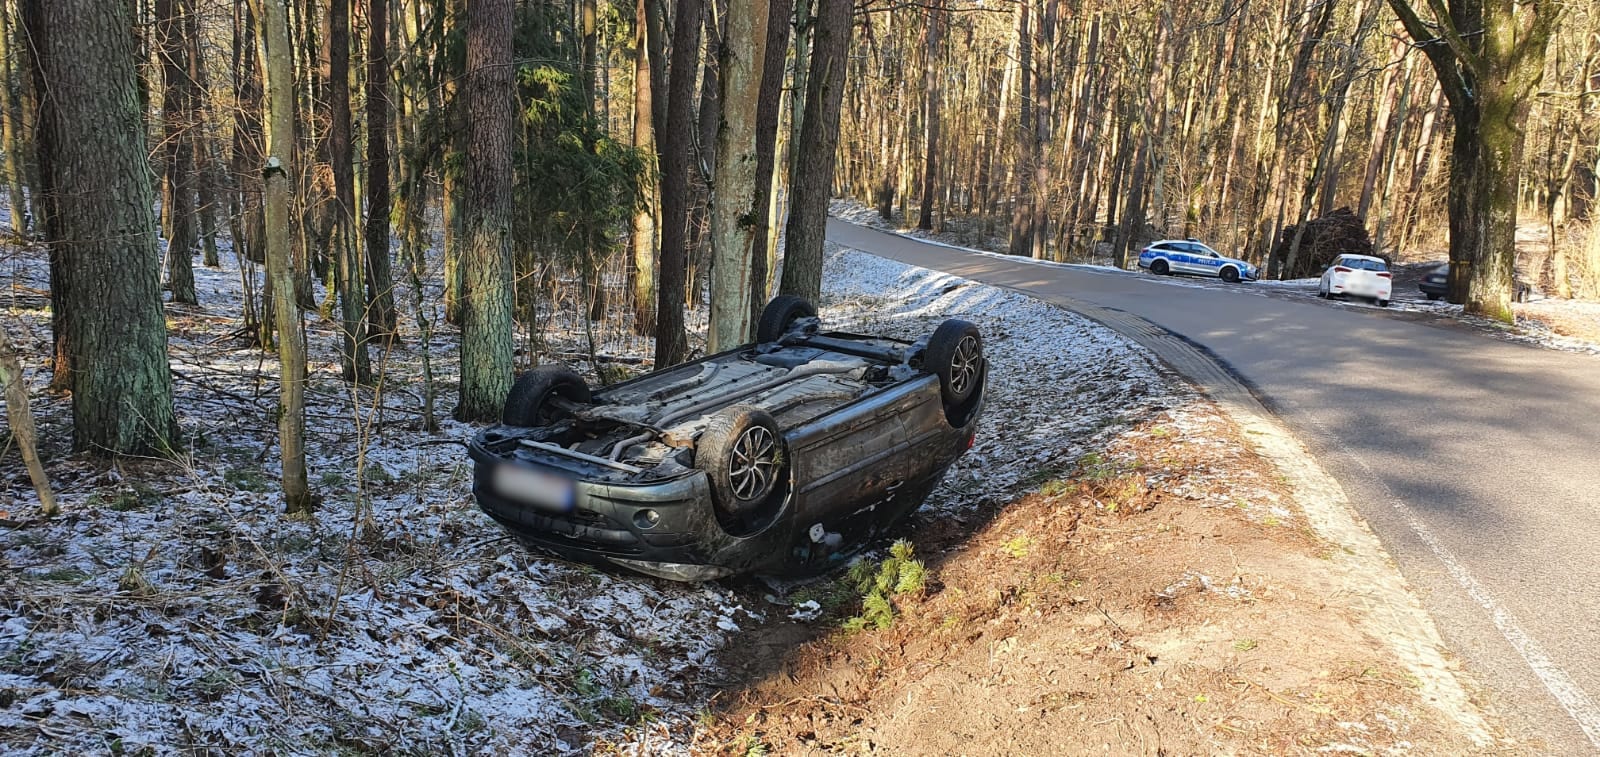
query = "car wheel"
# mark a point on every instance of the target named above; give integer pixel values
(1230, 275)
(955, 355)
(1159, 268)
(1432, 297)
(743, 454)
(1383, 303)
(528, 402)
(780, 314)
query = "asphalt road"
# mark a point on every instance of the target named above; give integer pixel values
(1475, 460)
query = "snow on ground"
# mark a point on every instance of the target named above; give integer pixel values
(1056, 380)
(174, 606)
(1541, 321)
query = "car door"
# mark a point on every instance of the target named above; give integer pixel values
(850, 458)
(1194, 258)
(1177, 257)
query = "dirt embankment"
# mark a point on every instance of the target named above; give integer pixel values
(1166, 596)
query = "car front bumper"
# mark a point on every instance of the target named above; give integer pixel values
(664, 528)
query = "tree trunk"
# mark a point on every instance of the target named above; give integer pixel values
(768, 113)
(20, 419)
(11, 128)
(676, 145)
(1043, 86)
(101, 227)
(811, 180)
(1490, 81)
(486, 269)
(932, 73)
(648, 81)
(380, 279)
(279, 60)
(1022, 204)
(349, 272)
(733, 211)
(177, 151)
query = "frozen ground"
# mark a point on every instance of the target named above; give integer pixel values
(1569, 325)
(174, 607)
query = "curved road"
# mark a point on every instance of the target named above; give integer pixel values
(1476, 461)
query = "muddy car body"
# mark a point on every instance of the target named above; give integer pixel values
(782, 457)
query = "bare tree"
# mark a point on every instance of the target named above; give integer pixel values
(1490, 79)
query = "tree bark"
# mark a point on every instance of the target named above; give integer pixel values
(380, 278)
(1489, 80)
(648, 81)
(733, 211)
(177, 149)
(349, 271)
(932, 71)
(278, 57)
(676, 145)
(1022, 201)
(20, 419)
(101, 227)
(11, 142)
(486, 269)
(812, 176)
(768, 113)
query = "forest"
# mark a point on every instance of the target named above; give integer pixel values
(635, 170)
(268, 262)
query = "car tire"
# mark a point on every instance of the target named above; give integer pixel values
(1432, 297)
(528, 402)
(955, 355)
(745, 459)
(780, 314)
(1159, 268)
(1383, 303)
(1229, 274)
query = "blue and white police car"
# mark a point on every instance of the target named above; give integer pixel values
(1170, 256)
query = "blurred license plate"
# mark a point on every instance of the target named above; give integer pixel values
(545, 490)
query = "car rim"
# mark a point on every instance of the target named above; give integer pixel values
(964, 365)
(754, 464)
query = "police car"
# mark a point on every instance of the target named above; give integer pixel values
(1170, 256)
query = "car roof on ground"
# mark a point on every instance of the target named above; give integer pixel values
(1179, 241)
(1365, 257)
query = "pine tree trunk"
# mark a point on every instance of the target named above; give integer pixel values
(486, 270)
(101, 227)
(279, 59)
(380, 279)
(1043, 86)
(349, 271)
(812, 178)
(932, 71)
(677, 143)
(733, 211)
(177, 151)
(1022, 201)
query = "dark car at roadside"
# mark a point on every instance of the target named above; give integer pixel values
(782, 457)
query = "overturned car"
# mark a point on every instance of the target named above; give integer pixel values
(783, 457)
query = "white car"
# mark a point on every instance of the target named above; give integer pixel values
(1189, 256)
(1359, 276)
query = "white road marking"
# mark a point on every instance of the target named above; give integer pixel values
(1567, 692)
